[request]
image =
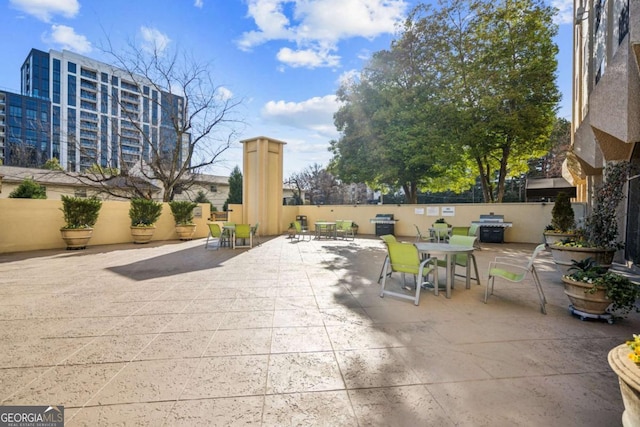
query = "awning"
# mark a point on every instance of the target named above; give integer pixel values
(548, 188)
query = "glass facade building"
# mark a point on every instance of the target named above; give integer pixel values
(84, 113)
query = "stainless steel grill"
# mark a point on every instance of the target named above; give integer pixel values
(385, 224)
(492, 228)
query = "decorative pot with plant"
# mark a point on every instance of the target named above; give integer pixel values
(599, 239)
(183, 216)
(624, 360)
(562, 220)
(592, 289)
(80, 215)
(143, 213)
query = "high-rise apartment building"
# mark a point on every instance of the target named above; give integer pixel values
(85, 112)
(606, 103)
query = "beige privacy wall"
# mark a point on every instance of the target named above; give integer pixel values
(30, 224)
(27, 224)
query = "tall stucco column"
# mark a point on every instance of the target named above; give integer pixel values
(262, 183)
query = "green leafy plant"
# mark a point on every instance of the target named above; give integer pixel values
(601, 225)
(80, 212)
(182, 212)
(619, 289)
(562, 215)
(29, 189)
(144, 212)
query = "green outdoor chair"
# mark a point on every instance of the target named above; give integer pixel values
(242, 231)
(440, 232)
(420, 237)
(256, 236)
(215, 234)
(301, 231)
(404, 258)
(464, 260)
(387, 238)
(459, 231)
(509, 269)
(344, 228)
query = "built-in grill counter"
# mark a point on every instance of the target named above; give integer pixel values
(492, 228)
(385, 224)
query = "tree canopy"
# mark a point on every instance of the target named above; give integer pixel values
(468, 89)
(235, 189)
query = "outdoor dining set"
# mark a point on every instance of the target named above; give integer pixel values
(229, 234)
(447, 247)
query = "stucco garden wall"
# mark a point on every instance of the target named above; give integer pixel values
(28, 224)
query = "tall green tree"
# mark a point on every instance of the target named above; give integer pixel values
(235, 188)
(467, 90)
(502, 82)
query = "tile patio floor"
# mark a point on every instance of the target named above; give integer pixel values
(292, 333)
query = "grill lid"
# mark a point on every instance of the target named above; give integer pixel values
(491, 218)
(384, 216)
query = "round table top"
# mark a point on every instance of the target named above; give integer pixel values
(443, 248)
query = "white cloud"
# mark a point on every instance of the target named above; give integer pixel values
(307, 58)
(316, 27)
(198, 3)
(45, 9)
(314, 114)
(67, 38)
(350, 76)
(223, 93)
(153, 39)
(565, 11)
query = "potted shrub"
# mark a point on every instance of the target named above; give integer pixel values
(599, 239)
(624, 360)
(592, 289)
(562, 220)
(143, 214)
(183, 216)
(80, 215)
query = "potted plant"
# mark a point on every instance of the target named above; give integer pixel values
(143, 214)
(599, 238)
(183, 216)
(593, 289)
(80, 215)
(624, 360)
(562, 220)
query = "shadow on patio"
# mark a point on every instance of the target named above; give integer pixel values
(293, 333)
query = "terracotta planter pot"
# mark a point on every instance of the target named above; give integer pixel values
(186, 232)
(563, 256)
(76, 238)
(629, 379)
(581, 300)
(142, 234)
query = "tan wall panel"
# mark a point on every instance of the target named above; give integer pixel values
(27, 225)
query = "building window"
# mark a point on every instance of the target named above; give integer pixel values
(213, 188)
(105, 78)
(623, 23)
(114, 80)
(71, 67)
(80, 193)
(71, 89)
(599, 4)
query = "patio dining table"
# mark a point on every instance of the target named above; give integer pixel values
(449, 252)
(326, 229)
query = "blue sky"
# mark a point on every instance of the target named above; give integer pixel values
(285, 58)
